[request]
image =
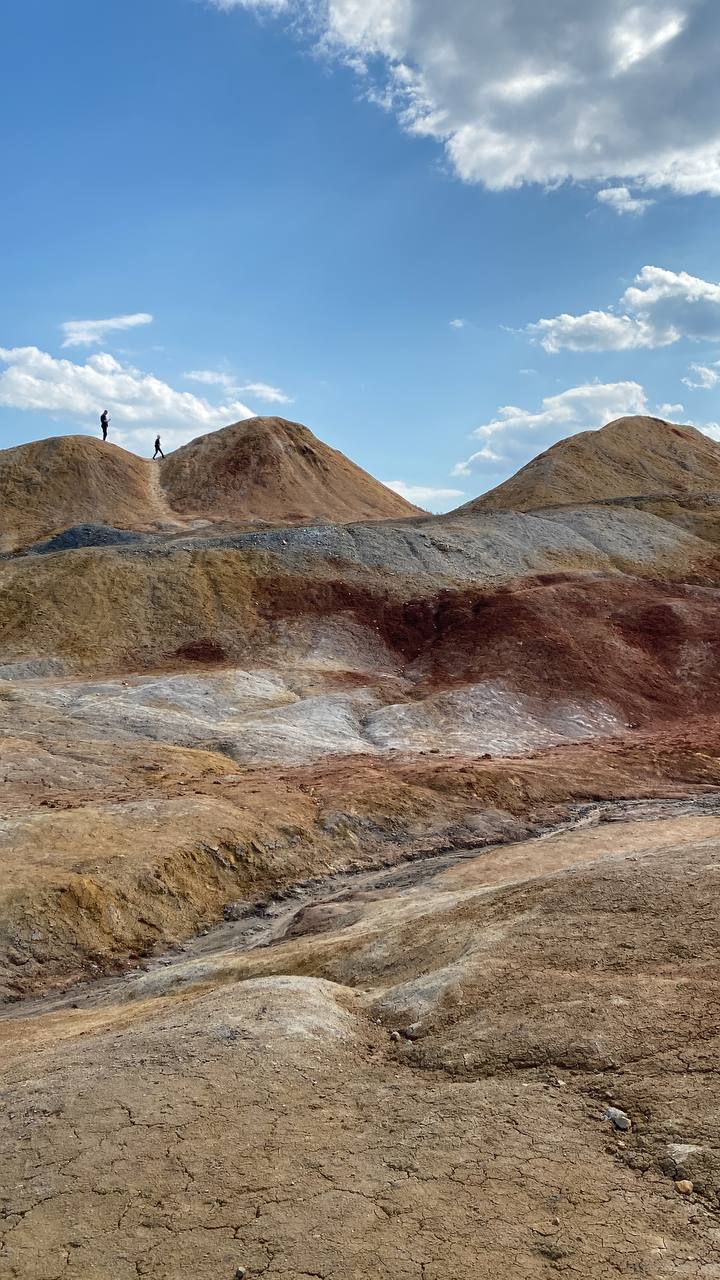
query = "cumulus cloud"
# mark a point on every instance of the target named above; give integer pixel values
(435, 499)
(520, 92)
(90, 333)
(621, 200)
(658, 309)
(515, 433)
(139, 403)
(671, 412)
(704, 377)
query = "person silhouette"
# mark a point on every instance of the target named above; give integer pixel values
(104, 421)
(158, 450)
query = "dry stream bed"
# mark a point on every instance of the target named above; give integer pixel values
(399, 1073)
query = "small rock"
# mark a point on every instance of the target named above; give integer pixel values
(684, 1186)
(618, 1118)
(395, 1035)
(241, 1273)
(413, 1032)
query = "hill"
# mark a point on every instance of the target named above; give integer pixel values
(276, 471)
(66, 480)
(264, 470)
(629, 457)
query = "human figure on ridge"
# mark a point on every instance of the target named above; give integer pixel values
(104, 422)
(158, 450)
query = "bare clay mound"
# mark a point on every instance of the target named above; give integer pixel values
(276, 471)
(51, 484)
(264, 470)
(629, 457)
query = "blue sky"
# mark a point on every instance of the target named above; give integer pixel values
(305, 196)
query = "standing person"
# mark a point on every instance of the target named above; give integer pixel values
(158, 450)
(104, 422)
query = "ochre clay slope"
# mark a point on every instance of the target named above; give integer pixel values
(275, 471)
(265, 470)
(629, 457)
(51, 484)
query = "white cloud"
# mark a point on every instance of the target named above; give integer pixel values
(621, 200)
(659, 308)
(706, 377)
(671, 412)
(458, 324)
(424, 495)
(520, 433)
(90, 333)
(260, 390)
(139, 403)
(522, 92)
(210, 378)
(274, 6)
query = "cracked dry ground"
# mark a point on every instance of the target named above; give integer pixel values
(252, 1106)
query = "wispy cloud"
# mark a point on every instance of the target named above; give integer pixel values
(422, 495)
(260, 390)
(622, 201)
(91, 333)
(458, 324)
(210, 378)
(704, 378)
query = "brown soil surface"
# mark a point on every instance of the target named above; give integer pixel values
(628, 457)
(276, 471)
(417, 1089)
(67, 480)
(265, 470)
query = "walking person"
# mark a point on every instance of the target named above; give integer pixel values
(158, 450)
(104, 423)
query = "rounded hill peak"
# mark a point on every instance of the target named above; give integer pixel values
(265, 470)
(630, 457)
(276, 471)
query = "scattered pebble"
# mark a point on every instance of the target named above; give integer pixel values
(395, 1035)
(618, 1118)
(684, 1186)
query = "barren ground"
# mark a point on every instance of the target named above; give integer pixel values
(351, 872)
(402, 1074)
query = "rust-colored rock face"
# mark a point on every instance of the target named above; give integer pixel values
(358, 907)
